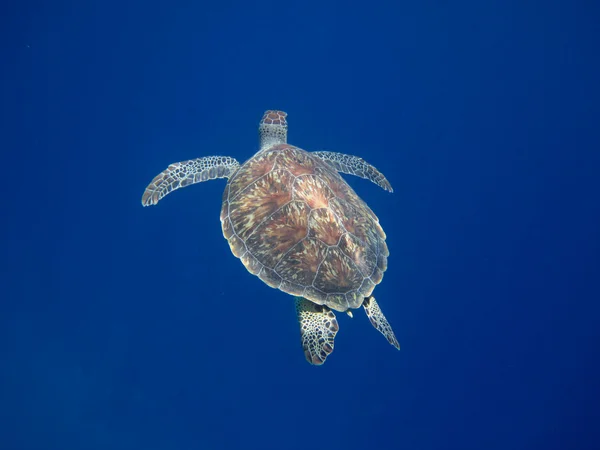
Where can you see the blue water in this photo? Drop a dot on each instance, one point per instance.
(124, 327)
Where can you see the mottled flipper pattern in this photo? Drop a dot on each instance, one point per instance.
(379, 321)
(318, 327)
(184, 173)
(353, 165)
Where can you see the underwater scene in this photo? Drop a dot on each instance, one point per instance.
(324, 225)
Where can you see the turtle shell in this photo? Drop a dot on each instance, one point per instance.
(296, 224)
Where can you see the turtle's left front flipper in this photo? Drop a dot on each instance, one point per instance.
(379, 321)
(354, 165)
(184, 173)
(318, 327)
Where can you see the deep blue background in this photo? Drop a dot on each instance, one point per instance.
(124, 327)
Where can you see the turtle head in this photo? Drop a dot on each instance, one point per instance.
(273, 129)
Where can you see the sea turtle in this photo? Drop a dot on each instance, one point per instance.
(296, 224)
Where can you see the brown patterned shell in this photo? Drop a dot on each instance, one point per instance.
(297, 225)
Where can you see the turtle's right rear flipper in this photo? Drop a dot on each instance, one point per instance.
(184, 173)
(318, 327)
(379, 321)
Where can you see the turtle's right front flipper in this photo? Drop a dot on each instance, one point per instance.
(184, 173)
(354, 165)
(318, 327)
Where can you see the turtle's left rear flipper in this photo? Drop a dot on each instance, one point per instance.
(318, 327)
